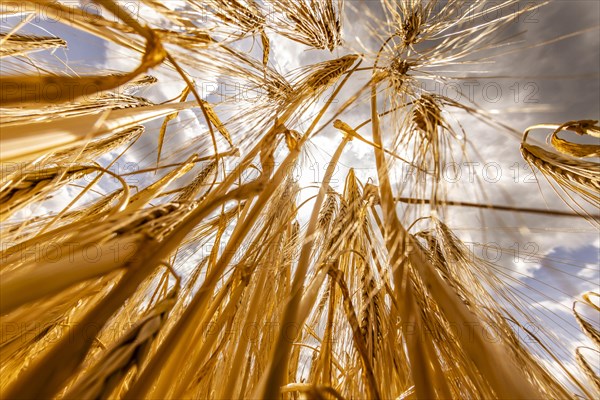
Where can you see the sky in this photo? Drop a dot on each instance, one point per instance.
(555, 258)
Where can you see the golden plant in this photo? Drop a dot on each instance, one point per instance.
(338, 295)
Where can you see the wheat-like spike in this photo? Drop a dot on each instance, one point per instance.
(324, 74)
(17, 45)
(147, 194)
(99, 146)
(370, 315)
(587, 328)
(326, 356)
(313, 23)
(264, 39)
(581, 177)
(244, 15)
(337, 276)
(141, 81)
(14, 232)
(570, 173)
(130, 350)
(191, 190)
(412, 24)
(328, 210)
(586, 174)
(427, 114)
(588, 370)
(35, 184)
(163, 129)
(89, 105)
(214, 119)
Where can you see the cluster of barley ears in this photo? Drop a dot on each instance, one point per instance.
(210, 277)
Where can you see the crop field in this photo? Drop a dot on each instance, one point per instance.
(299, 199)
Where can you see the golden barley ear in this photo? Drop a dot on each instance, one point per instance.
(18, 45)
(567, 168)
(312, 23)
(591, 333)
(111, 370)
